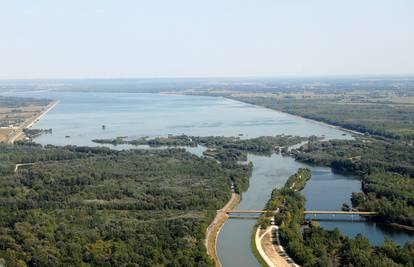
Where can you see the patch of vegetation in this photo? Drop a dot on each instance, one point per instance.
(298, 181)
(80, 206)
(389, 194)
(28, 152)
(261, 145)
(33, 133)
(360, 156)
(178, 140)
(226, 150)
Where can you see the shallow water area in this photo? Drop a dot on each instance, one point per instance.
(79, 116)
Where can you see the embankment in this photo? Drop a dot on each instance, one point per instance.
(214, 228)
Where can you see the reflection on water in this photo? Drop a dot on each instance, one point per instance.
(234, 239)
(327, 191)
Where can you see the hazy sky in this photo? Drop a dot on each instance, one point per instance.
(180, 38)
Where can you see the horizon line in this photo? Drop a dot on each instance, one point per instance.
(311, 76)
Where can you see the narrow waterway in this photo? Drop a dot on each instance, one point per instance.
(234, 240)
(325, 191)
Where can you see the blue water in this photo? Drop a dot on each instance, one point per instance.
(327, 191)
(81, 116)
(324, 191)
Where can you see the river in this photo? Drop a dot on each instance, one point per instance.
(78, 118)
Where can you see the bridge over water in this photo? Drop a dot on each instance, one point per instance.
(306, 212)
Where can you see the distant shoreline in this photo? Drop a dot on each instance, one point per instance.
(48, 108)
(303, 118)
(31, 121)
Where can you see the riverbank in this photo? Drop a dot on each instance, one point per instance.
(267, 250)
(402, 226)
(214, 228)
(18, 133)
(256, 249)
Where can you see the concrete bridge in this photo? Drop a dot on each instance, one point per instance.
(363, 213)
(313, 212)
(249, 211)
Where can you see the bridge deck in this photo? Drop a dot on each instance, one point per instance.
(340, 212)
(249, 211)
(306, 212)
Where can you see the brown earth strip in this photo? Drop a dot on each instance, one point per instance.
(215, 227)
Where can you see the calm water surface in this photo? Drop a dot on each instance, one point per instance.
(81, 116)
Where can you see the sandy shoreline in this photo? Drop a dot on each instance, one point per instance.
(31, 121)
(214, 228)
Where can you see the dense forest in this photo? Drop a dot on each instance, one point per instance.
(227, 150)
(390, 194)
(310, 245)
(360, 156)
(82, 206)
